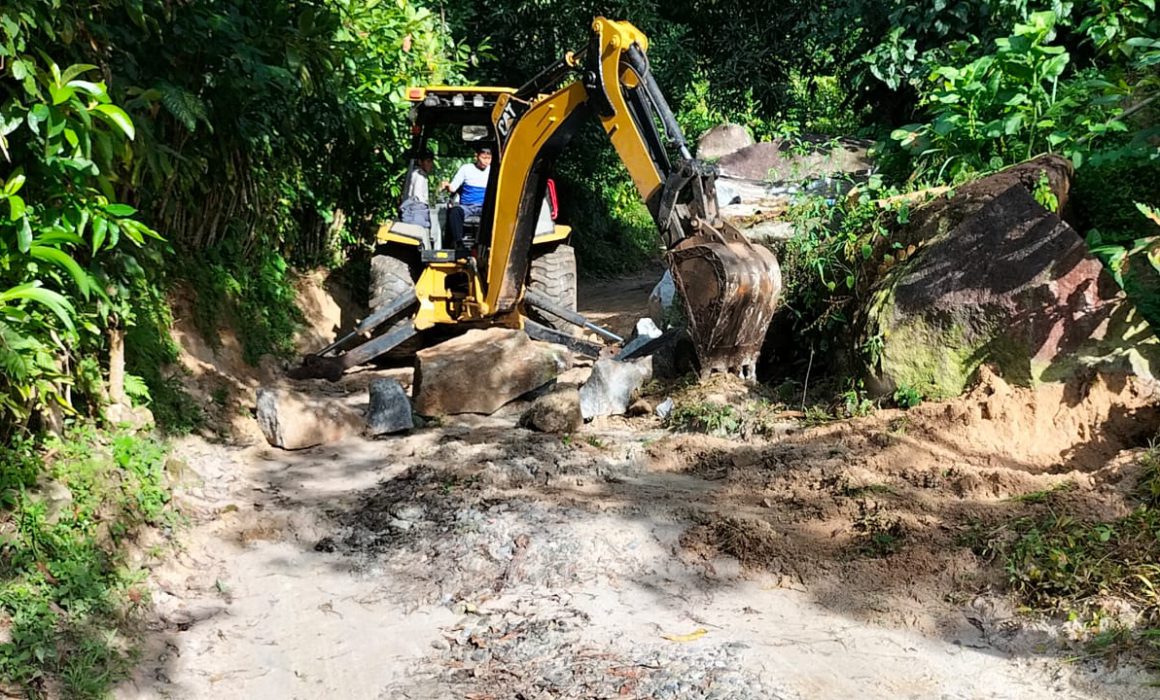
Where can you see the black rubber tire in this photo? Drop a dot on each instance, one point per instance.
(553, 274)
(390, 279)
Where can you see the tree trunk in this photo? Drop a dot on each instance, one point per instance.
(117, 366)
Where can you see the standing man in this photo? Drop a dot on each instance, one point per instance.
(416, 207)
(471, 185)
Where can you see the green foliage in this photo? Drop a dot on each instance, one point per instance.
(854, 403)
(1062, 564)
(613, 232)
(1043, 77)
(1043, 193)
(1009, 105)
(877, 534)
(66, 592)
(254, 296)
(825, 265)
(908, 396)
(705, 417)
(60, 259)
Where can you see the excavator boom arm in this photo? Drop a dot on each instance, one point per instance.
(729, 287)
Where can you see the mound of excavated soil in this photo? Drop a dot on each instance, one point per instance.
(885, 515)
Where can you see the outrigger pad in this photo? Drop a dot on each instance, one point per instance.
(319, 367)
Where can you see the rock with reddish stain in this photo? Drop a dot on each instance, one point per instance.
(990, 276)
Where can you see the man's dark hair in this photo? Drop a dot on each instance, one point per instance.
(425, 154)
(483, 149)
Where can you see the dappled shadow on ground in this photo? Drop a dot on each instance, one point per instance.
(892, 519)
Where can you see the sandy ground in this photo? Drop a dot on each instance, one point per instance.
(474, 559)
(366, 569)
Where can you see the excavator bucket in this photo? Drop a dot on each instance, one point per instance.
(729, 288)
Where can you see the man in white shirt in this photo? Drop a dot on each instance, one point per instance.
(416, 207)
(470, 182)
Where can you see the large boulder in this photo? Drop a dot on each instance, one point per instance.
(481, 370)
(611, 387)
(810, 159)
(294, 421)
(722, 140)
(994, 277)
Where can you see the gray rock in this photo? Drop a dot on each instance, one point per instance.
(55, 496)
(778, 161)
(646, 330)
(408, 511)
(662, 299)
(390, 409)
(403, 525)
(722, 140)
(482, 370)
(294, 421)
(611, 386)
(557, 412)
(664, 408)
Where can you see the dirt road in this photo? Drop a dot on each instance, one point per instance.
(475, 560)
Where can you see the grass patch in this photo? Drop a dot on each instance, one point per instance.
(68, 596)
(1044, 495)
(1104, 574)
(751, 418)
(705, 417)
(877, 534)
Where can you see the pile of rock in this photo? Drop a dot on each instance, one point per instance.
(757, 181)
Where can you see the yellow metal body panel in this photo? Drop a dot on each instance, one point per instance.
(531, 131)
(439, 304)
(614, 39)
(385, 235)
(558, 233)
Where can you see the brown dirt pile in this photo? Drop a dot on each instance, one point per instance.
(897, 515)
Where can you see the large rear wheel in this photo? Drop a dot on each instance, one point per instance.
(553, 274)
(392, 276)
(390, 279)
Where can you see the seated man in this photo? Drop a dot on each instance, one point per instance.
(471, 185)
(416, 207)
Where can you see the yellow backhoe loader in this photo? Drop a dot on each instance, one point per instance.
(516, 268)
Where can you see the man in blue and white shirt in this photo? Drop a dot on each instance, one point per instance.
(470, 182)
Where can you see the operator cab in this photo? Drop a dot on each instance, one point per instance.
(452, 123)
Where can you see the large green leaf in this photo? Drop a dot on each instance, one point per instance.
(63, 260)
(120, 210)
(117, 116)
(16, 207)
(53, 301)
(74, 70)
(24, 235)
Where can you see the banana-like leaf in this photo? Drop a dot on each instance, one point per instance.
(63, 260)
(53, 301)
